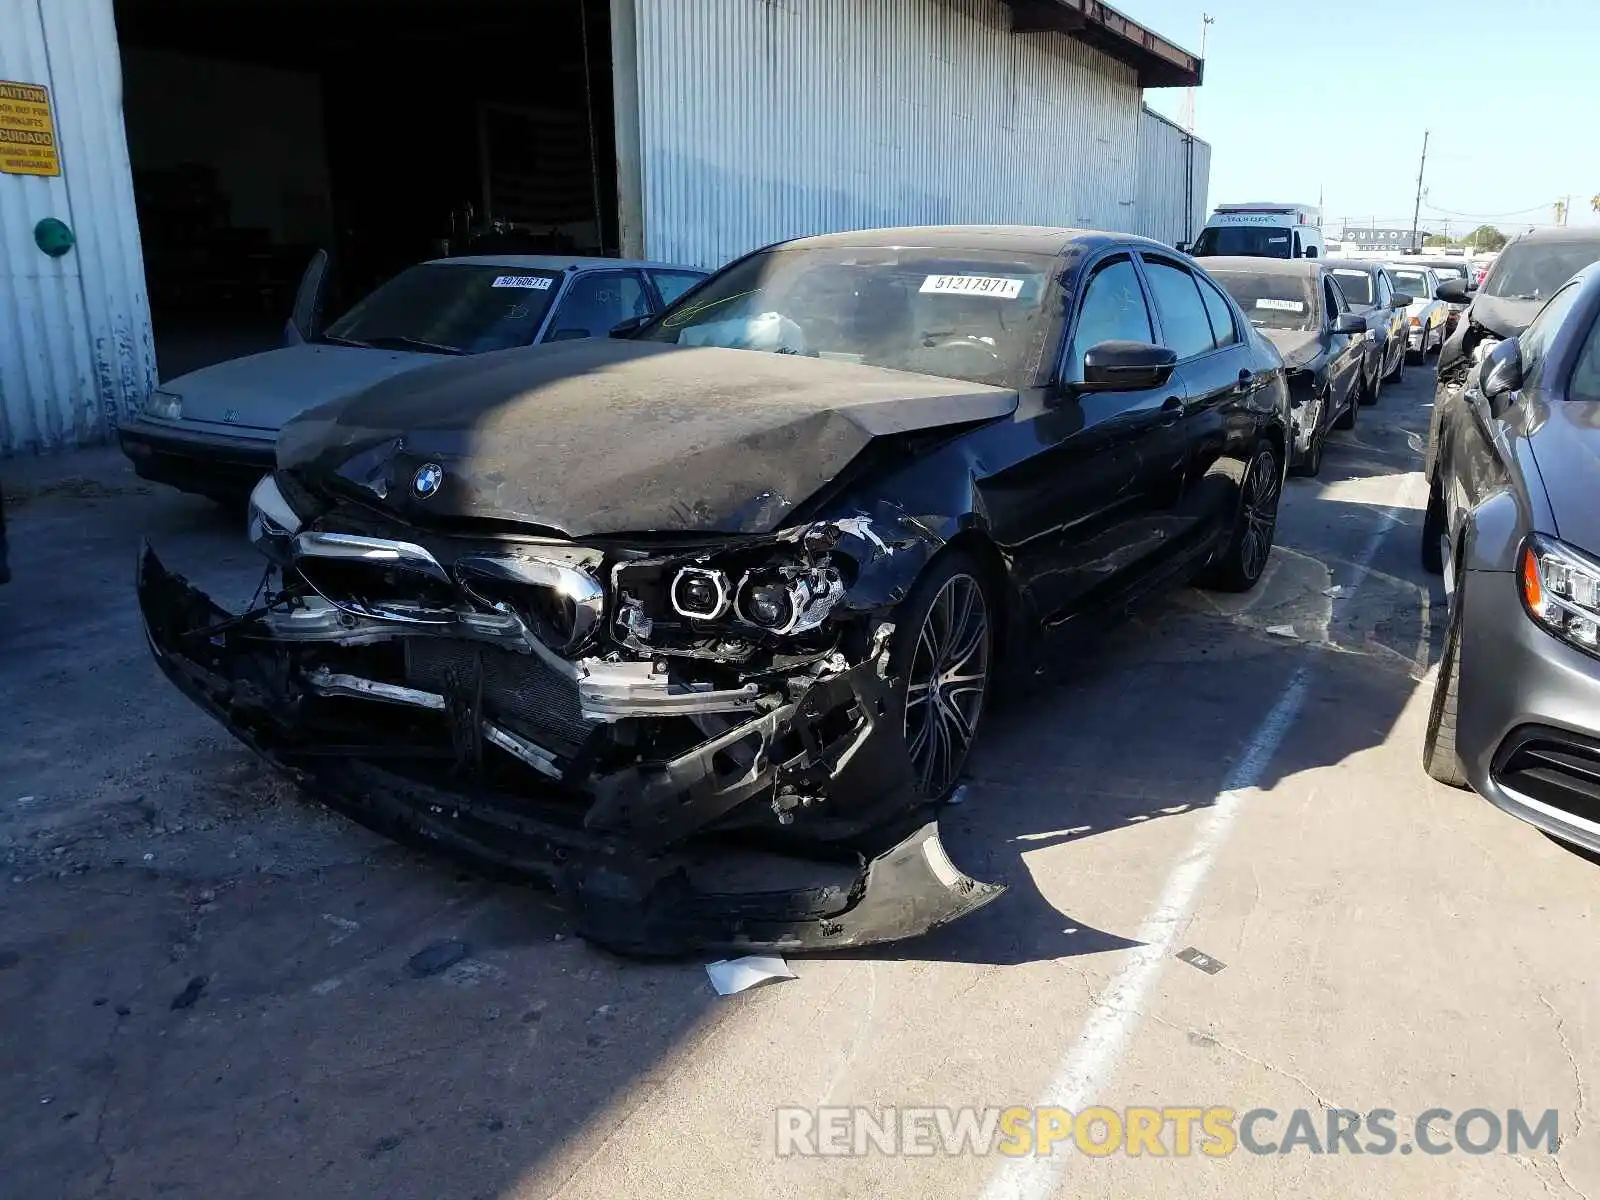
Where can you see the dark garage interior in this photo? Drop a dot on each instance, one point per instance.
(263, 130)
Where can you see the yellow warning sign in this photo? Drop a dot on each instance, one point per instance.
(27, 134)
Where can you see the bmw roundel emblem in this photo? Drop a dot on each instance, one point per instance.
(427, 480)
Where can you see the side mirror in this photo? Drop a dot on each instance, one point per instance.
(1400, 300)
(1182, 247)
(567, 335)
(1352, 323)
(1126, 367)
(1453, 291)
(622, 329)
(1501, 375)
(1311, 252)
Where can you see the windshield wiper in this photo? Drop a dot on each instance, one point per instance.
(406, 342)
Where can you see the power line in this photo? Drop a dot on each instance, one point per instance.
(1516, 212)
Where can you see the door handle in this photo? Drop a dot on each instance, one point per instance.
(1171, 411)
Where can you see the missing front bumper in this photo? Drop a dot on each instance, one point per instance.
(624, 863)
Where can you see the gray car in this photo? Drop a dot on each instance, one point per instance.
(213, 431)
(1373, 292)
(1513, 524)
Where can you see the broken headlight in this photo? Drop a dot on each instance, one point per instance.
(272, 523)
(785, 600)
(164, 406)
(701, 593)
(1560, 588)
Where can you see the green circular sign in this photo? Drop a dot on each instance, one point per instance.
(53, 237)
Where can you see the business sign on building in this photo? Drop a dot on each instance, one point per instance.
(1381, 239)
(27, 132)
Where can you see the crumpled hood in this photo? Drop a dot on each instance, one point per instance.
(1504, 318)
(1566, 447)
(1297, 348)
(607, 436)
(262, 391)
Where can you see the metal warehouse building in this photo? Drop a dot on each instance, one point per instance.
(168, 167)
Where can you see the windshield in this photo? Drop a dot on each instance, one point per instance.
(1356, 286)
(1250, 241)
(1534, 270)
(1414, 284)
(961, 314)
(450, 309)
(1272, 301)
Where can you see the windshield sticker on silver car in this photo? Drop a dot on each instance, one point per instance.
(538, 283)
(1294, 306)
(972, 285)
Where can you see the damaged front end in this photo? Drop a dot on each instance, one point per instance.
(622, 719)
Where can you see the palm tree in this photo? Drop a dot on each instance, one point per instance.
(1594, 202)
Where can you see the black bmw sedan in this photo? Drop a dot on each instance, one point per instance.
(752, 566)
(1513, 525)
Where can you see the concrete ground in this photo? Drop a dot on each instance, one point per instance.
(206, 982)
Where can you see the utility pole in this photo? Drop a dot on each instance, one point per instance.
(1416, 212)
(1206, 22)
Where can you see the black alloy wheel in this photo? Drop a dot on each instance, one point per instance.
(1240, 565)
(1309, 464)
(945, 640)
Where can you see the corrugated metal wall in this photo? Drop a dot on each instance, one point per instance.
(1174, 175)
(766, 119)
(75, 344)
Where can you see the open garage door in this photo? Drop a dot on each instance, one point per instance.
(261, 131)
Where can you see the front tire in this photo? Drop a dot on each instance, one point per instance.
(1309, 464)
(943, 653)
(1347, 419)
(1241, 563)
(1374, 388)
(1434, 531)
(1440, 758)
(1398, 373)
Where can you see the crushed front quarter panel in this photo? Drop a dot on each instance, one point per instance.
(621, 865)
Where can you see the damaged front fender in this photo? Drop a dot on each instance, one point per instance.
(628, 875)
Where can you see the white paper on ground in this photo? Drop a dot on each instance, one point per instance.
(1338, 591)
(730, 975)
(1283, 631)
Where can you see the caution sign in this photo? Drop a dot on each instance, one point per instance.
(27, 134)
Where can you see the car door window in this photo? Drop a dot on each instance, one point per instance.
(1222, 327)
(1334, 299)
(1184, 325)
(672, 284)
(1113, 310)
(596, 302)
(1535, 340)
(1585, 384)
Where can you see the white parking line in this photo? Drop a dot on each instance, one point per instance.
(1089, 1064)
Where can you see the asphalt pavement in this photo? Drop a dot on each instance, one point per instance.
(1231, 887)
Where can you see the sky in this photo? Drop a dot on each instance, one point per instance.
(1335, 98)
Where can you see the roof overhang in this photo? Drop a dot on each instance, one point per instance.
(1159, 63)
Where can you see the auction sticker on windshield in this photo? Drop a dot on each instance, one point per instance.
(539, 283)
(972, 285)
(1294, 306)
